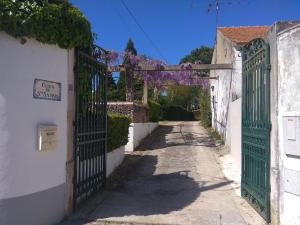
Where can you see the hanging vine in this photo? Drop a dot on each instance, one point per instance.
(51, 22)
(159, 78)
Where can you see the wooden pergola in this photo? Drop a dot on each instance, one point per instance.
(193, 67)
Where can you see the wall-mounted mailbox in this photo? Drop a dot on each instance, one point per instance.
(47, 137)
(291, 135)
(292, 181)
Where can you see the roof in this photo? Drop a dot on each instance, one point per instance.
(244, 34)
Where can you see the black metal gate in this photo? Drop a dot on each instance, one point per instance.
(256, 126)
(90, 126)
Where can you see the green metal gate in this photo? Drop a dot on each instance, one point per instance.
(90, 126)
(256, 126)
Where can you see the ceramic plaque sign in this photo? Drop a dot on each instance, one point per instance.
(47, 90)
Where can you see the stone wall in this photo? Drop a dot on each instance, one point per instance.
(138, 113)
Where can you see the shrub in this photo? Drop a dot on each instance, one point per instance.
(177, 113)
(117, 130)
(205, 110)
(154, 111)
(51, 22)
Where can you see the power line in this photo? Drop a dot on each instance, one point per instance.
(142, 29)
(122, 19)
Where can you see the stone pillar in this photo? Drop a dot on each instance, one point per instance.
(129, 85)
(145, 93)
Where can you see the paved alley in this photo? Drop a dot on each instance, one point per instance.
(173, 178)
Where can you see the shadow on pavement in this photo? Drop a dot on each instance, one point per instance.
(135, 189)
(158, 139)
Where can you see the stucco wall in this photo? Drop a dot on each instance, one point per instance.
(114, 159)
(274, 151)
(32, 183)
(228, 86)
(137, 132)
(288, 43)
(236, 131)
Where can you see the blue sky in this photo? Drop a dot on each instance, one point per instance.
(176, 26)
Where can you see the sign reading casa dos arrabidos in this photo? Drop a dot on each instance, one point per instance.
(48, 90)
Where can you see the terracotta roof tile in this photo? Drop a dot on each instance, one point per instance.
(244, 34)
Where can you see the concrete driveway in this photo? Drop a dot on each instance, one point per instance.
(173, 178)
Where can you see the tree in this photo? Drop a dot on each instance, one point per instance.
(137, 83)
(130, 47)
(112, 91)
(200, 55)
(183, 95)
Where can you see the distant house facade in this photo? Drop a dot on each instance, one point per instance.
(264, 82)
(227, 89)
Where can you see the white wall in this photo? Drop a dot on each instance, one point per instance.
(288, 44)
(137, 132)
(228, 86)
(114, 159)
(24, 170)
(236, 131)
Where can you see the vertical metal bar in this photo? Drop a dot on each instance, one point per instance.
(99, 128)
(105, 115)
(76, 78)
(268, 158)
(90, 126)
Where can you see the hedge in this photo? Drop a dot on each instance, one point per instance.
(177, 113)
(117, 131)
(52, 22)
(154, 111)
(205, 110)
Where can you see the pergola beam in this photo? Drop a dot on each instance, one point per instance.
(143, 67)
(194, 67)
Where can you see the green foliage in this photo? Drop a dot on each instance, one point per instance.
(130, 47)
(51, 22)
(117, 130)
(202, 54)
(215, 134)
(184, 96)
(121, 87)
(111, 89)
(138, 89)
(177, 113)
(205, 108)
(154, 111)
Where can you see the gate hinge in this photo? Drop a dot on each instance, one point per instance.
(268, 66)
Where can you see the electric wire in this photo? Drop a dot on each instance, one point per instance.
(143, 30)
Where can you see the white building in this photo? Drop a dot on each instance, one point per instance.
(226, 90)
(38, 178)
(32, 182)
(280, 76)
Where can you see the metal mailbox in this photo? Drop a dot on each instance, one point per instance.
(47, 137)
(291, 135)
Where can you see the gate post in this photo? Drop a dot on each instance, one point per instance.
(145, 93)
(128, 83)
(70, 127)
